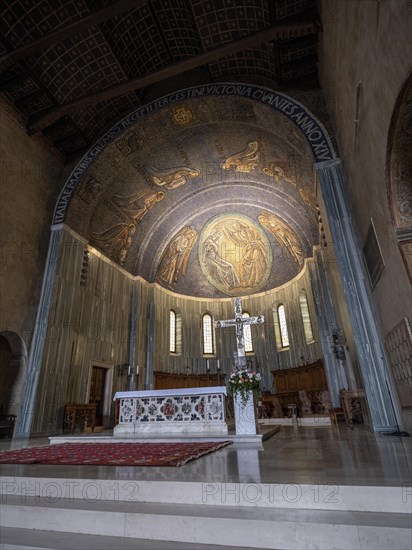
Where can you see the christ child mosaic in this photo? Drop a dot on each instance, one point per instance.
(234, 254)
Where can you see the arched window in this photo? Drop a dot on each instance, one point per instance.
(172, 331)
(304, 310)
(175, 332)
(207, 330)
(247, 333)
(283, 327)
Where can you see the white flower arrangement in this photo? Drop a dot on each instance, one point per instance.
(243, 381)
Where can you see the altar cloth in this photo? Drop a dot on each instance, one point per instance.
(169, 392)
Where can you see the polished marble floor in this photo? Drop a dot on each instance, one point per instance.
(327, 455)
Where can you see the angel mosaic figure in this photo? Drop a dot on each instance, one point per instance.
(137, 206)
(245, 161)
(175, 258)
(173, 178)
(284, 234)
(115, 241)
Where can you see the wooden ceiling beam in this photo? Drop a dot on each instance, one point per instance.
(25, 100)
(277, 32)
(93, 18)
(7, 82)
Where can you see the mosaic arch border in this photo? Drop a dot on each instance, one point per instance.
(313, 131)
(403, 231)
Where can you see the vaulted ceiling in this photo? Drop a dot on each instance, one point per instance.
(209, 197)
(73, 67)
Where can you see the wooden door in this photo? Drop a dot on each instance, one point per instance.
(97, 390)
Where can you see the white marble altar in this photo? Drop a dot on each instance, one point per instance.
(185, 410)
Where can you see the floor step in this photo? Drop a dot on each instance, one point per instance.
(27, 539)
(358, 498)
(265, 432)
(231, 526)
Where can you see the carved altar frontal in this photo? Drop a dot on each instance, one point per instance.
(186, 410)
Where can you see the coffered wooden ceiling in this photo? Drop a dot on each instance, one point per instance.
(72, 68)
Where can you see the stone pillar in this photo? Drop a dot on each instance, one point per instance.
(26, 411)
(383, 405)
(326, 317)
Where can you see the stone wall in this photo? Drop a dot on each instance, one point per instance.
(29, 186)
(87, 325)
(365, 56)
(266, 349)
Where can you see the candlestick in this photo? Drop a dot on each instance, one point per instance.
(218, 364)
(207, 364)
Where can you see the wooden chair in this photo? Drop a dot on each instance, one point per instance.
(336, 414)
(76, 413)
(273, 407)
(7, 425)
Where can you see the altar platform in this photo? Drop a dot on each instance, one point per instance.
(295, 454)
(306, 488)
(108, 437)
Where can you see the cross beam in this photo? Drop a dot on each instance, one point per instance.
(239, 322)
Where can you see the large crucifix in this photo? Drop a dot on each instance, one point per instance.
(238, 322)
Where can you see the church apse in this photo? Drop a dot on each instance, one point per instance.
(149, 198)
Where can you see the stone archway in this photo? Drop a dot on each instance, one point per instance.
(399, 172)
(306, 123)
(13, 355)
(332, 185)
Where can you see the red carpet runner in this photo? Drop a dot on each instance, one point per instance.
(112, 454)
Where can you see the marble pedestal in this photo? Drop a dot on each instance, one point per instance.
(245, 414)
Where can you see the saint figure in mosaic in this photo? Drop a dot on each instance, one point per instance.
(174, 260)
(284, 234)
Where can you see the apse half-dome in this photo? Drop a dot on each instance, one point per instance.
(208, 197)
